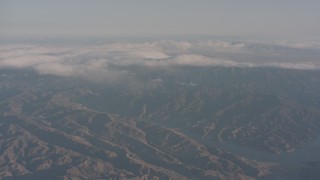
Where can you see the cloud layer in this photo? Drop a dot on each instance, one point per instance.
(96, 62)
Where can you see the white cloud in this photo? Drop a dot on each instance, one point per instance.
(95, 61)
(149, 54)
(301, 66)
(25, 61)
(222, 45)
(174, 45)
(199, 60)
(54, 69)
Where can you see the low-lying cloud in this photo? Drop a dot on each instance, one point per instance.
(98, 61)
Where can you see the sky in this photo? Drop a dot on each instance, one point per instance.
(250, 18)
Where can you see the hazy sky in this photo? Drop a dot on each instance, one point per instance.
(274, 18)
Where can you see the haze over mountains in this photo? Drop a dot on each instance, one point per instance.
(159, 109)
(73, 58)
